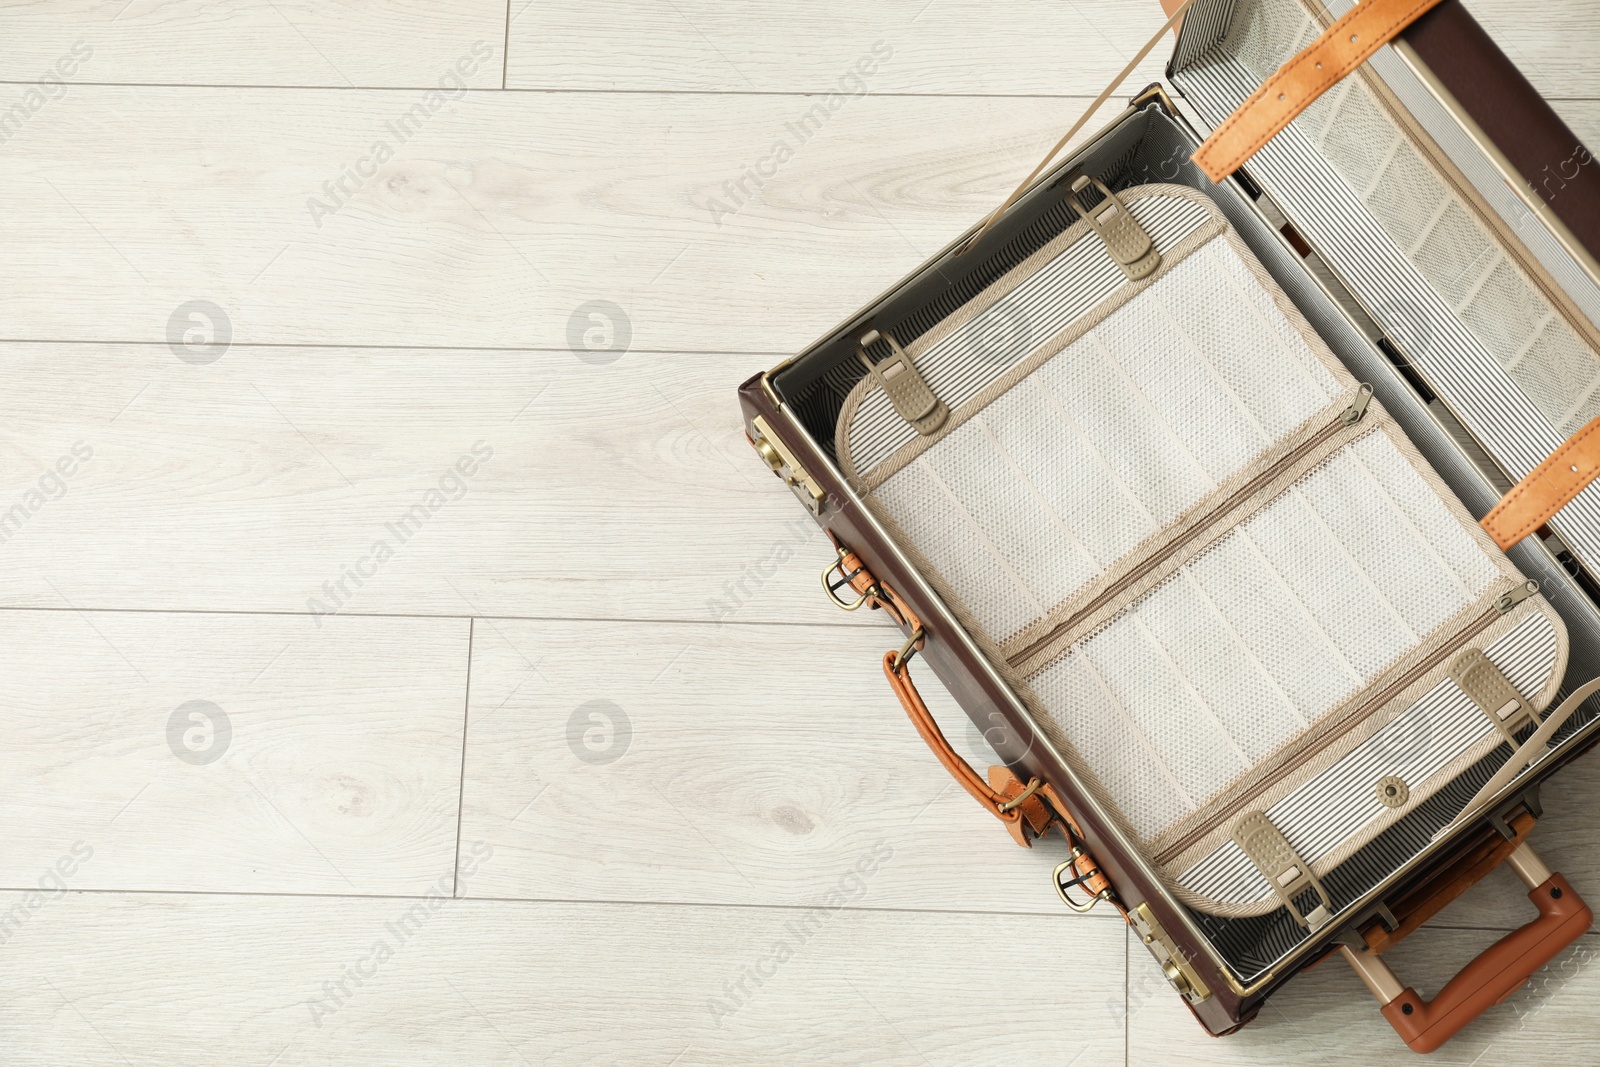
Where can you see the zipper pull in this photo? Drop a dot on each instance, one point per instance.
(1516, 596)
(1358, 407)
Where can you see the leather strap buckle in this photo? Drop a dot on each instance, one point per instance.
(1017, 801)
(846, 576)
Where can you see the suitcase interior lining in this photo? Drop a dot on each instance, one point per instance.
(1202, 688)
(1429, 270)
(1152, 147)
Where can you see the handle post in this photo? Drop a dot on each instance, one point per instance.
(1497, 972)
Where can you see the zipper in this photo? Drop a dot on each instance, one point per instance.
(1346, 418)
(1479, 623)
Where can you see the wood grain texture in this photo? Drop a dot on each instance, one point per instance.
(942, 47)
(252, 42)
(170, 980)
(497, 219)
(326, 762)
(733, 764)
(275, 479)
(1551, 43)
(1328, 1018)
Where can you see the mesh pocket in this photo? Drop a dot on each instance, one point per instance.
(1359, 138)
(1265, 35)
(1113, 438)
(1304, 604)
(1408, 195)
(1558, 372)
(1455, 254)
(1505, 312)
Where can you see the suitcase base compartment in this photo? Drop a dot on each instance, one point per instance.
(1023, 660)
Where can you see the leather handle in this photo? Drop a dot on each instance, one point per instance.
(993, 801)
(1497, 972)
(1547, 489)
(1343, 47)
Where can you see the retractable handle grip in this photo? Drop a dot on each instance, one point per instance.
(1497, 972)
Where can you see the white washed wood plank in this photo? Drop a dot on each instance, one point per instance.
(262, 480)
(497, 219)
(332, 767)
(734, 764)
(942, 47)
(411, 43)
(1552, 44)
(114, 979)
(1327, 1017)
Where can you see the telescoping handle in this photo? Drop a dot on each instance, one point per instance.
(1500, 970)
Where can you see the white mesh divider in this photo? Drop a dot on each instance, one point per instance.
(967, 561)
(1259, 636)
(1112, 743)
(1110, 440)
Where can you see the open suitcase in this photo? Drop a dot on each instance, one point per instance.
(1176, 485)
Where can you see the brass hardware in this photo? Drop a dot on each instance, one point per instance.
(1180, 973)
(1069, 867)
(1516, 596)
(1393, 791)
(832, 588)
(784, 465)
(1016, 801)
(908, 649)
(1358, 407)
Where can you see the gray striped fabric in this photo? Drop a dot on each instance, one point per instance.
(1515, 373)
(1425, 738)
(970, 357)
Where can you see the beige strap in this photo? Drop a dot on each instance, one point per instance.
(1536, 745)
(1342, 48)
(1547, 488)
(1105, 95)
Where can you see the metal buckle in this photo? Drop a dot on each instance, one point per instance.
(832, 588)
(1016, 801)
(908, 650)
(1062, 887)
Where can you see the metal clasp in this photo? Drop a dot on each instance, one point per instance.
(832, 587)
(908, 650)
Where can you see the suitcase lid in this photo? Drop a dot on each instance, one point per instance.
(1459, 230)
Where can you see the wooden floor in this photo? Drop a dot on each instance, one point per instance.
(389, 678)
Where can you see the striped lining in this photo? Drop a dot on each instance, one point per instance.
(960, 365)
(1204, 26)
(1421, 741)
(1474, 384)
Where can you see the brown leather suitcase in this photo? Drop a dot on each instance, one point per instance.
(1321, 206)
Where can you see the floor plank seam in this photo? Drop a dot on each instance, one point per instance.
(461, 784)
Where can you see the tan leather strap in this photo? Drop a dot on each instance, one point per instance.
(1027, 810)
(1547, 488)
(1345, 46)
